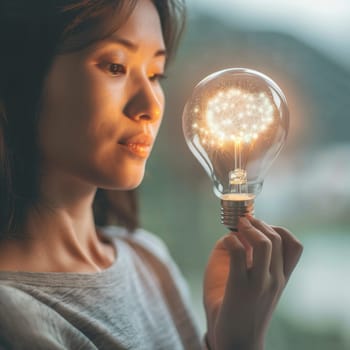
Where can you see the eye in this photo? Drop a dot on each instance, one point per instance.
(116, 69)
(157, 77)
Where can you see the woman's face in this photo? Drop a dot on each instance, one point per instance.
(102, 106)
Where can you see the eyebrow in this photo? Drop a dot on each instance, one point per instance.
(132, 46)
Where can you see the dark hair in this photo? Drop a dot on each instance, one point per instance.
(31, 34)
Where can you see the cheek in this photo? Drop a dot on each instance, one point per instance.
(161, 100)
(79, 124)
(75, 108)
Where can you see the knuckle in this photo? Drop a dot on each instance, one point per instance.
(275, 239)
(288, 237)
(296, 244)
(255, 220)
(281, 229)
(220, 242)
(238, 249)
(263, 244)
(298, 247)
(234, 247)
(249, 229)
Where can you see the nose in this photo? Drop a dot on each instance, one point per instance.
(146, 102)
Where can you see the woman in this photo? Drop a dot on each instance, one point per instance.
(81, 104)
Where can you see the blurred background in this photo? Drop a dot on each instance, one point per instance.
(305, 47)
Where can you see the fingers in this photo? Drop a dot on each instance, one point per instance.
(262, 248)
(292, 250)
(275, 249)
(238, 267)
(276, 265)
(248, 248)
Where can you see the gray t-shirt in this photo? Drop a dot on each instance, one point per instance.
(140, 302)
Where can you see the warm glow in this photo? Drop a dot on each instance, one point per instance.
(235, 116)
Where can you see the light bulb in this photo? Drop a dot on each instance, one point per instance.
(235, 123)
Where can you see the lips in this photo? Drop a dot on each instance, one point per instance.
(139, 145)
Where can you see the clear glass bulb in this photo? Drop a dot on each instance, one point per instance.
(235, 123)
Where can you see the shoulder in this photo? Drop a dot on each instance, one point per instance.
(144, 238)
(20, 310)
(14, 305)
(18, 315)
(158, 254)
(25, 320)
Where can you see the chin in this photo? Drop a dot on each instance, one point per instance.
(124, 183)
(122, 176)
(130, 186)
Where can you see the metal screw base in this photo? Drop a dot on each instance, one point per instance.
(232, 210)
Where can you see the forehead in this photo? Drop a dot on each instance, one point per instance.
(143, 25)
(139, 21)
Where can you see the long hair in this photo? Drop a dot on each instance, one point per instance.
(32, 33)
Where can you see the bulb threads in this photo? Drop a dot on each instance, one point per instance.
(232, 210)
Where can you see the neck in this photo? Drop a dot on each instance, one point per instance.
(70, 228)
(59, 235)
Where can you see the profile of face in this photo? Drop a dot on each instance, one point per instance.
(102, 106)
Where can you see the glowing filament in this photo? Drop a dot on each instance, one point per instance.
(235, 115)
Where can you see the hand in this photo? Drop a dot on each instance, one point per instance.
(245, 276)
